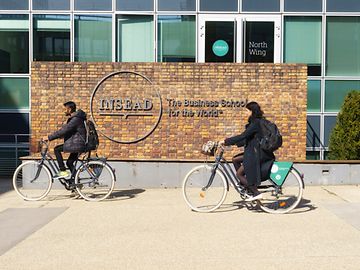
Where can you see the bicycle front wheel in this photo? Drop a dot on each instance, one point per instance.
(32, 181)
(204, 189)
(281, 200)
(94, 180)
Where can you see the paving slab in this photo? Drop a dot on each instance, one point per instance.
(154, 229)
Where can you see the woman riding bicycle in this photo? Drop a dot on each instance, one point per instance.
(256, 163)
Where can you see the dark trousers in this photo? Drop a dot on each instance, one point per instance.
(71, 160)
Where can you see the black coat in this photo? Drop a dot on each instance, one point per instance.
(257, 163)
(73, 132)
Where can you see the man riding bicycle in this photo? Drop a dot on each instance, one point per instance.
(74, 134)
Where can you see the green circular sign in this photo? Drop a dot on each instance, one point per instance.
(220, 47)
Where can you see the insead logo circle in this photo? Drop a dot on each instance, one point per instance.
(126, 107)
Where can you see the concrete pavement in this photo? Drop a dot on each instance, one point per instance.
(154, 229)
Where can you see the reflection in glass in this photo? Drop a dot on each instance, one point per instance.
(177, 5)
(135, 5)
(314, 96)
(329, 124)
(93, 38)
(51, 37)
(335, 93)
(313, 131)
(343, 46)
(14, 43)
(303, 50)
(135, 38)
(14, 93)
(343, 5)
(51, 4)
(261, 5)
(303, 5)
(216, 5)
(14, 5)
(105, 5)
(176, 39)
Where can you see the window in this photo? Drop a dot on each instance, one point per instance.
(14, 123)
(14, 5)
(135, 5)
(14, 93)
(51, 4)
(343, 5)
(177, 5)
(303, 50)
(215, 5)
(303, 5)
(314, 96)
(93, 38)
(176, 39)
(343, 46)
(261, 5)
(14, 43)
(313, 131)
(329, 124)
(312, 155)
(51, 38)
(335, 92)
(104, 5)
(135, 38)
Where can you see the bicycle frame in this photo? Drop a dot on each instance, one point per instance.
(54, 168)
(230, 175)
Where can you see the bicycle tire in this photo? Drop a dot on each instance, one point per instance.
(289, 197)
(94, 180)
(31, 184)
(196, 197)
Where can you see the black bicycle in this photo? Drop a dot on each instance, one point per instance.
(93, 180)
(205, 187)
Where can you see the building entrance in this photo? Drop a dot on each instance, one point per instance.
(239, 38)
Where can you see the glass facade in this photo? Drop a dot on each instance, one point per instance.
(176, 39)
(93, 38)
(343, 46)
(135, 36)
(51, 38)
(324, 34)
(51, 4)
(14, 43)
(305, 50)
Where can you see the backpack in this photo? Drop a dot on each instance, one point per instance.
(272, 139)
(92, 138)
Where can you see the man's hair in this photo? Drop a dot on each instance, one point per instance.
(71, 105)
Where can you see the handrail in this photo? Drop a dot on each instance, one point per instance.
(17, 142)
(314, 137)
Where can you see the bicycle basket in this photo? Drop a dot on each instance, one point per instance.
(209, 148)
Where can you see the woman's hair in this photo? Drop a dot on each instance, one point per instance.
(255, 109)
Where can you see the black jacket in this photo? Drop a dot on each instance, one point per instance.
(257, 163)
(73, 132)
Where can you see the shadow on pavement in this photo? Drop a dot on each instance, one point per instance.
(303, 207)
(5, 185)
(124, 194)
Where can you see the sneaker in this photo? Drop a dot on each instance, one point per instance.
(62, 174)
(254, 198)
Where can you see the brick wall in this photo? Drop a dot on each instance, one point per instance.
(219, 90)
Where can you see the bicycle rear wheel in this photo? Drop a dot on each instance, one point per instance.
(32, 181)
(94, 180)
(197, 195)
(281, 200)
